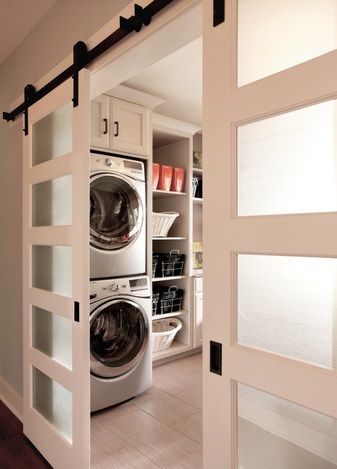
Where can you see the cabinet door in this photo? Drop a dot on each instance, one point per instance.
(129, 127)
(99, 122)
(198, 316)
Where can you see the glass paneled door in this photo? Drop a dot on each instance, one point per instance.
(270, 206)
(56, 353)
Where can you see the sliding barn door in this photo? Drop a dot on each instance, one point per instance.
(270, 235)
(56, 276)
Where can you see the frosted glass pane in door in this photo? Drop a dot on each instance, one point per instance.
(288, 163)
(274, 35)
(52, 135)
(288, 306)
(52, 202)
(52, 335)
(274, 433)
(52, 269)
(54, 402)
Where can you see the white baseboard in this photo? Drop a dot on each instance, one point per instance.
(11, 399)
(306, 437)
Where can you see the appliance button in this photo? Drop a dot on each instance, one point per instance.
(114, 287)
(108, 162)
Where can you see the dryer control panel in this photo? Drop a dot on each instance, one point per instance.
(134, 286)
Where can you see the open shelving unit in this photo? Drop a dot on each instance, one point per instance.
(173, 145)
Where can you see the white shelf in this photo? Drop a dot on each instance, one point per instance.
(197, 171)
(170, 238)
(169, 315)
(158, 194)
(197, 200)
(176, 347)
(164, 279)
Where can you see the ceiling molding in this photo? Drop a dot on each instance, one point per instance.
(134, 96)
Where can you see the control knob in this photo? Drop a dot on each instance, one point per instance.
(114, 287)
(108, 162)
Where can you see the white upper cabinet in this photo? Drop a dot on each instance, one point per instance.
(120, 125)
(99, 122)
(129, 129)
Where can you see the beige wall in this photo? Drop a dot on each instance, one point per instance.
(51, 41)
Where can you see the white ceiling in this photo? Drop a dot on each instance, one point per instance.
(178, 80)
(17, 19)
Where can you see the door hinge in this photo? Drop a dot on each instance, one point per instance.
(218, 12)
(215, 358)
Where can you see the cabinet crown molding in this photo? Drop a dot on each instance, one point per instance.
(135, 96)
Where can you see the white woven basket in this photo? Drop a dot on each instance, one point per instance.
(163, 333)
(162, 222)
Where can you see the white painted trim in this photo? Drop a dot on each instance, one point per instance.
(134, 96)
(291, 430)
(11, 399)
(175, 126)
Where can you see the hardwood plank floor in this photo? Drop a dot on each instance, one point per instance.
(16, 452)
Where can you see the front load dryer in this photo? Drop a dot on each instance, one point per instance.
(117, 216)
(120, 345)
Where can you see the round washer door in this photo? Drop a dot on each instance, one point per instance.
(118, 338)
(116, 212)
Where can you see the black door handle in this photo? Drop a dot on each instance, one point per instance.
(117, 128)
(105, 126)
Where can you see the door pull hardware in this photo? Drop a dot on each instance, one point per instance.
(105, 121)
(76, 311)
(117, 128)
(218, 12)
(215, 360)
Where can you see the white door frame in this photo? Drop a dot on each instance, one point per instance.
(225, 235)
(44, 435)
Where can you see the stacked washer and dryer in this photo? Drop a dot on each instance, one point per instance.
(120, 292)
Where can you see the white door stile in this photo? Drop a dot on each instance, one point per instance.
(50, 442)
(226, 235)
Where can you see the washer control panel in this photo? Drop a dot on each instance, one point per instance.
(118, 164)
(135, 286)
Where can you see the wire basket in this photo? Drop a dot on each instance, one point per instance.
(169, 300)
(172, 264)
(162, 222)
(163, 333)
(155, 301)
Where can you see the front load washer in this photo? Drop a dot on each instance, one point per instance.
(120, 340)
(117, 216)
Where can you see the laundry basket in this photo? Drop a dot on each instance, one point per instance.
(162, 222)
(163, 333)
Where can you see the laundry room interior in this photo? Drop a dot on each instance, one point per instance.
(146, 276)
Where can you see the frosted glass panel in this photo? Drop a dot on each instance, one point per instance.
(52, 202)
(288, 163)
(52, 135)
(52, 335)
(52, 269)
(274, 35)
(288, 306)
(54, 402)
(274, 433)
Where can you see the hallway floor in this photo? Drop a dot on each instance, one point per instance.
(159, 429)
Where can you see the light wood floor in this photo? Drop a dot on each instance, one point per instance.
(159, 429)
